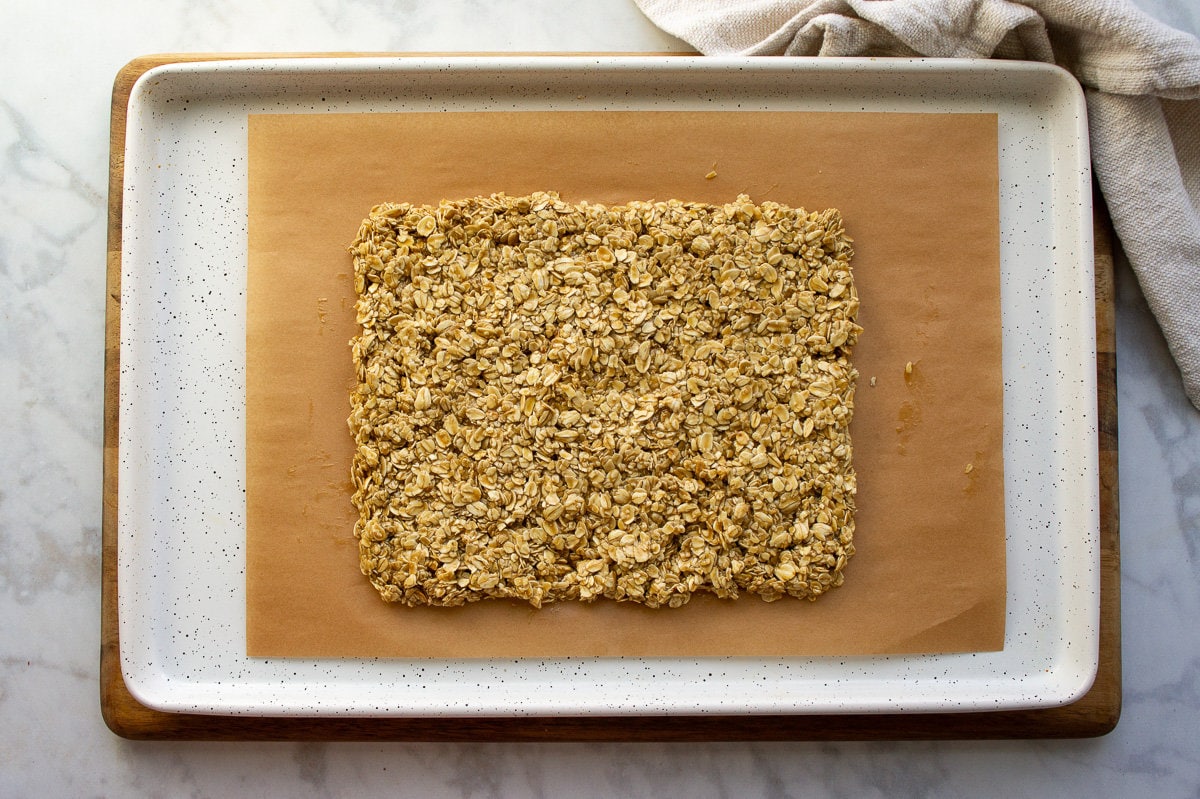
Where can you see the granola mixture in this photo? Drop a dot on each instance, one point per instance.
(561, 401)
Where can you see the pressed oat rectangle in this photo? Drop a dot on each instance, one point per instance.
(561, 401)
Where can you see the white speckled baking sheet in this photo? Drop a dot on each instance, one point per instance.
(181, 500)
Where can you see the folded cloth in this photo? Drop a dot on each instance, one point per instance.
(1141, 80)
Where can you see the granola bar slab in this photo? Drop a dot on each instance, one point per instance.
(567, 401)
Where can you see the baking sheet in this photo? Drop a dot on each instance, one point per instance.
(181, 515)
(929, 575)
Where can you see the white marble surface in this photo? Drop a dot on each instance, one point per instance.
(56, 68)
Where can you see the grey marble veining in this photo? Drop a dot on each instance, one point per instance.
(55, 81)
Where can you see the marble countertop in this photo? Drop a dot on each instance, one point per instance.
(55, 86)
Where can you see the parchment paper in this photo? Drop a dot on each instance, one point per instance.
(919, 193)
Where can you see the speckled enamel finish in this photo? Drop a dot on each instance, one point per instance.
(181, 490)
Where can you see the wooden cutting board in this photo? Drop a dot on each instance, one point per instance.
(1096, 713)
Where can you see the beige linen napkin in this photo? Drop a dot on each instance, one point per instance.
(1141, 78)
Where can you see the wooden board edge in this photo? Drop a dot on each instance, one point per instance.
(1094, 714)
(1108, 693)
(114, 704)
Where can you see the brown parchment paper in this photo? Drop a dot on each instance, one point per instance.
(919, 194)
